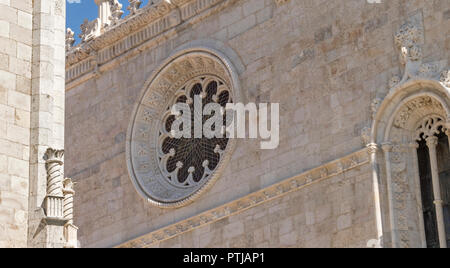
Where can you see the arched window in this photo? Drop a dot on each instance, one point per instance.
(434, 169)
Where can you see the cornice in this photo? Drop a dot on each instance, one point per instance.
(146, 24)
(239, 205)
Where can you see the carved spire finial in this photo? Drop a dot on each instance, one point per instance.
(134, 6)
(70, 40)
(116, 11)
(89, 29)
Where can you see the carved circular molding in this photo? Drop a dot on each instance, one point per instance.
(172, 172)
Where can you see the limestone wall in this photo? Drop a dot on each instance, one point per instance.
(31, 109)
(15, 107)
(337, 212)
(323, 61)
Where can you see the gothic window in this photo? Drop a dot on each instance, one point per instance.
(433, 153)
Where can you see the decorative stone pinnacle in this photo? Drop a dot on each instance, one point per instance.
(116, 11)
(89, 29)
(70, 40)
(134, 6)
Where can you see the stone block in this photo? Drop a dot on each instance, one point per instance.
(18, 167)
(17, 99)
(7, 81)
(4, 29)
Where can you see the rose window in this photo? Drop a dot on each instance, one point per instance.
(171, 170)
(186, 162)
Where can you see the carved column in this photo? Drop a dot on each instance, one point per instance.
(372, 149)
(414, 146)
(53, 203)
(387, 148)
(70, 230)
(68, 200)
(432, 142)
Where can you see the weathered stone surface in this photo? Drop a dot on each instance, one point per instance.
(32, 115)
(323, 61)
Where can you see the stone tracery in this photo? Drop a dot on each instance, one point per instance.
(171, 172)
(188, 161)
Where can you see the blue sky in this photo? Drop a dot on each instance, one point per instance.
(78, 10)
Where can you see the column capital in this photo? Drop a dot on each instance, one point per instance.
(432, 142)
(54, 156)
(372, 148)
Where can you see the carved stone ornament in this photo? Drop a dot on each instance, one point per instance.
(134, 6)
(168, 171)
(430, 127)
(424, 103)
(409, 40)
(90, 29)
(116, 11)
(70, 40)
(445, 78)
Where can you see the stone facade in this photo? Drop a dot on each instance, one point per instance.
(32, 100)
(348, 76)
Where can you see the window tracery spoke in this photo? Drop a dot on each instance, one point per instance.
(188, 161)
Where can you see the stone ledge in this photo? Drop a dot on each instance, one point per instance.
(272, 192)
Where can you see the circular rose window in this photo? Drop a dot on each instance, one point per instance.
(172, 171)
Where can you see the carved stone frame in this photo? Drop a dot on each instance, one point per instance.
(394, 128)
(156, 94)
